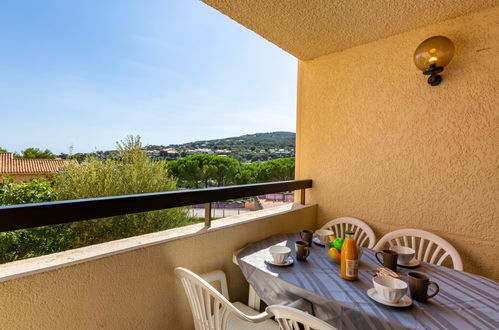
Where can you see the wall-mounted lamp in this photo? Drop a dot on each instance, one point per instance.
(432, 55)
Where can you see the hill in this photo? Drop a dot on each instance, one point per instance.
(245, 148)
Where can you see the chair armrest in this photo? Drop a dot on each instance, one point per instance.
(255, 318)
(301, 304)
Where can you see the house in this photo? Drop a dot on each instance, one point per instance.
(22, 169)
(170, 151)
(203, 151)
(153, 153)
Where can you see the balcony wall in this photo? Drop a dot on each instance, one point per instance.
(129, 284)
(382, 145)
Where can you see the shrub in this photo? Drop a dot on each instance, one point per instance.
(25, 243)
(33, 191)
(131, 171)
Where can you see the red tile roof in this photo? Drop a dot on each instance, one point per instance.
(11, 165)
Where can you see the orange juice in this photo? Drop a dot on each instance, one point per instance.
(349, 258)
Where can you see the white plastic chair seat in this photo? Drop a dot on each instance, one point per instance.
(364, 235)
(236, 323)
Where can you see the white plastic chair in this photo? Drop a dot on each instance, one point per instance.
(429, 247)
(212, 310)
(294, 319)
(364, 235)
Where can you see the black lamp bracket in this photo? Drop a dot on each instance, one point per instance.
(433, 71)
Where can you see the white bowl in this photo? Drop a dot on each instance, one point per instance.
(406, 254)
(280, 253)
(389, 288)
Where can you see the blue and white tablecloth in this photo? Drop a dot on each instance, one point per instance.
(465, 301)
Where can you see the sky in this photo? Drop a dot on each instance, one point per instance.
(88, 73)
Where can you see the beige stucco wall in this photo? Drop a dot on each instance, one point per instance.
(382, 145)
(137, 289)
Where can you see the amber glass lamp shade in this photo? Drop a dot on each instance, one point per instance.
(438, 50)
(432, 55)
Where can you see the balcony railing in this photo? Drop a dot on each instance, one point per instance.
(42, 214)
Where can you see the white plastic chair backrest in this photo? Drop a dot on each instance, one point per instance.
(210, 309)
(290, 318)
(429, 247)
(364, 235)
(217, 275)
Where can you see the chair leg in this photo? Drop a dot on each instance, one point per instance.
(253, 299)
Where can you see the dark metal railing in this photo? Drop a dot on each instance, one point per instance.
(22, 216)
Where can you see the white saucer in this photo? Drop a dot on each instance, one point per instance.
(270, 261)
(317, 241)
(405, 301)
(412, 264)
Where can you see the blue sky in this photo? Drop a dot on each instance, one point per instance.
(88, 73)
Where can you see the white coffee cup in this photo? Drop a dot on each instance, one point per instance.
(323, 235)
(405, 254)
(280, 253)
(389, 288)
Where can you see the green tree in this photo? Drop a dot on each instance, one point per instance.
(280, 169)
(37, 153)
(130, 172)
(204, 170)
(248, 173)
(226, 170)
(3, 150)
(187, 170)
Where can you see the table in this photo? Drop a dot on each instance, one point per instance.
(465, 301)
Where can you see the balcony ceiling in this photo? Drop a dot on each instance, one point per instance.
(311, 28)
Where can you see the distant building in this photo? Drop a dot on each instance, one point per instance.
(153, 153)
(170, 150)
(203, 151)
(22, 169)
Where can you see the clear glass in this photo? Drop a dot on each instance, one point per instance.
(438, 50)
